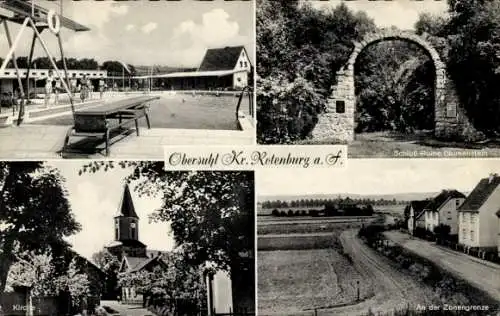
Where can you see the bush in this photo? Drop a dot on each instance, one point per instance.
(275, 212)
(286, 111)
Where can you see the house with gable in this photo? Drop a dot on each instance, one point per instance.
(131, 252)
(416, 215)
(478, 220)
(442, 210)
(226, 68)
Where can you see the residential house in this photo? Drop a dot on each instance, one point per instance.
(477, 220)
(415, 215)
(226, 68)
(132, 253)
(442, 210)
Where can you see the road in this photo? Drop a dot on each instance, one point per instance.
(393, 289)
(480, 273)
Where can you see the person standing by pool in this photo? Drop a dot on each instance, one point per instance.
(84, 88)
(57, 89)
(48, 87)
(101, 88)
(73, 84)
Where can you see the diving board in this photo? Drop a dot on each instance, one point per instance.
(23, 9)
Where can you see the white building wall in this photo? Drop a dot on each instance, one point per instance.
(223, 298)
(488, 228)
(240, 79)
(448, 214)
(243, 62)
(411, 221)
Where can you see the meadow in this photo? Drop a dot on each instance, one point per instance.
(297, 280)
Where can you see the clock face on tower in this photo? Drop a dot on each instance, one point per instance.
(132, 225)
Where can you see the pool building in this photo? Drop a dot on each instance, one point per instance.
(227, 68)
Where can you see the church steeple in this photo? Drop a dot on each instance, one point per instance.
(126, 207)
(126, 220)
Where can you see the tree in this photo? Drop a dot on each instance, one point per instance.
(110, 265)
(42, 63)
(442, 231)
(211, 214)
(88, 64)
(300, 49)
(472, 35)
(174, 280)
(34, 211)
(37, 272)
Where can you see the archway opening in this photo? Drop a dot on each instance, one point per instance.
(395, 89)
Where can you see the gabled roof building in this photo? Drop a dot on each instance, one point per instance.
(478, 224)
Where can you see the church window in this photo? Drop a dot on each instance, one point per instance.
(133, 231)
(117, 231)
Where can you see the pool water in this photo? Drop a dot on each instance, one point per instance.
(182, 112)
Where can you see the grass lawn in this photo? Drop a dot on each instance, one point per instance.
(183, 112)
(417, 145)
(295, 280)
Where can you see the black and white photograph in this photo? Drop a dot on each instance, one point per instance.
(125, 238)
(123, 79)
(380, 237)
(391, 79)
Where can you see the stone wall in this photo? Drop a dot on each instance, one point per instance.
(450, 119)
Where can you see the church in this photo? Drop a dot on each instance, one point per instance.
(130, 251)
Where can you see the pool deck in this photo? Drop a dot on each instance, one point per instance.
(46, 141)
(36, 141)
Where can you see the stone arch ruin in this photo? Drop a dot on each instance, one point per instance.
(338, 123)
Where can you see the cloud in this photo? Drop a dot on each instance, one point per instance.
(190, 40)
(97, 13)
(94, 15)
(130, 27)
(148, 28)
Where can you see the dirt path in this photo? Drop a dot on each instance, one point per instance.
(393, 289)
(480, 273)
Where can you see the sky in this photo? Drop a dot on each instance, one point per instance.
(170, 33)
(378, 176)
(94, 200)
(400, 13)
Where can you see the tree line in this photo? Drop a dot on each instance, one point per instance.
(111, 66)
(332, 201)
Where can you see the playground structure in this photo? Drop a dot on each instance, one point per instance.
(29, 15)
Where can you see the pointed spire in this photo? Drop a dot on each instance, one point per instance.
(126, 207)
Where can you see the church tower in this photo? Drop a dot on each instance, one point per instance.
(126, 219)
(126, 229)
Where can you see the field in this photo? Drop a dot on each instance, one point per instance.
(295, 280)
(308, 225)
(183, 112)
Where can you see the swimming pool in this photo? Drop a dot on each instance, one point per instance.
(183, 111)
